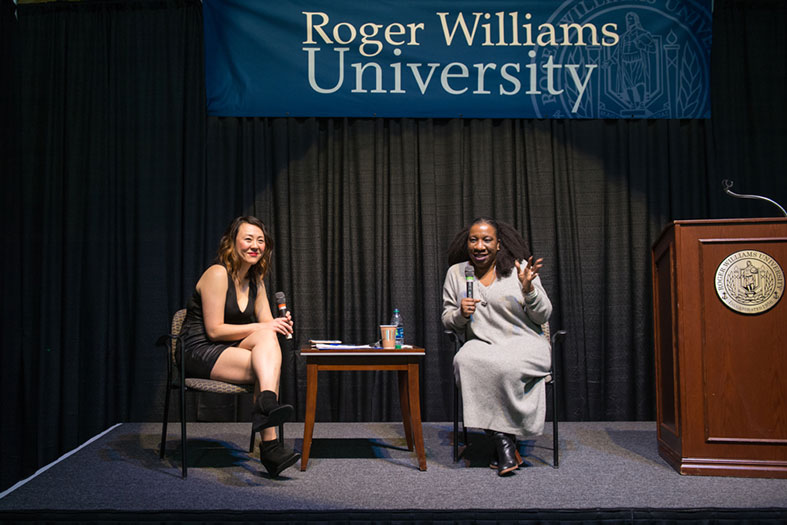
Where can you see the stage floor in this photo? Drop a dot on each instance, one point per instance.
(366, 467)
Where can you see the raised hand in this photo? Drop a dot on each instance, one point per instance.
(528, 273)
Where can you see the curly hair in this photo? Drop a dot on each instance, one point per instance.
(513, 246)
(228, 257)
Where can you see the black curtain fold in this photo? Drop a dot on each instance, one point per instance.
(110, 122)
(117, 186)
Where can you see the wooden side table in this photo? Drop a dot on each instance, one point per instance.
(405, 361)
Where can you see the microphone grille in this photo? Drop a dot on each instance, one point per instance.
(279, 297)
(469, 271)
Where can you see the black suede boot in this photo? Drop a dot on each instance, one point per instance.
(506, 453)
(268, 412)
(275, 457)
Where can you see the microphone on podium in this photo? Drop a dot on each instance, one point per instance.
(281, 303)
(726, 184)
(469, 278)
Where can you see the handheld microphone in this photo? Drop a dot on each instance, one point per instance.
(469, 278)
(281, 302)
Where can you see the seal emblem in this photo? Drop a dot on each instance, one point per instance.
(749, 282)
(658, 69)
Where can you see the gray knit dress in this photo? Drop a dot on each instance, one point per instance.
(501, 365)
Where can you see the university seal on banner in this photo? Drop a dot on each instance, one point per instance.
(749, 282)
(657, 69)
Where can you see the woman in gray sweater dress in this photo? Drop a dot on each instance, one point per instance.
(501, 365)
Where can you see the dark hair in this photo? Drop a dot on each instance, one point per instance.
(228, 257)
(512, 246)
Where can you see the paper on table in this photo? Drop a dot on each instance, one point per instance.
(339, 346)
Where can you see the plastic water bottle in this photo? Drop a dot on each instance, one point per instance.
(397, 320)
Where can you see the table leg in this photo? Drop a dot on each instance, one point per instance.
(404, 403)
(311, 406)
(415, 411)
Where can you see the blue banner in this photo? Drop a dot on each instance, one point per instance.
(460, 58)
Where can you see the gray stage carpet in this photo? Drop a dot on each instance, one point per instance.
(366, 466)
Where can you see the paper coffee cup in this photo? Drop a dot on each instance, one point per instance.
(388, 335)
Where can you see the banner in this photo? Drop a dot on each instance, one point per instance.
(460, 58)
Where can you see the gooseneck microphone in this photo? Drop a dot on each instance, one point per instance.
(281, 303)
(469, 278)
(727, 184)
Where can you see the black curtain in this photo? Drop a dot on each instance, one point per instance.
(110, 125)
(117, 187)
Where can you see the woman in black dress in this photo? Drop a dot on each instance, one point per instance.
(230, 334)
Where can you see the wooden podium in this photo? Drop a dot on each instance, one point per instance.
(720, 326)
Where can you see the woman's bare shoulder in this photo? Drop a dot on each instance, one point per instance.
(215, 277)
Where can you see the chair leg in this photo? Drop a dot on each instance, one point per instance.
(251, 441)
(183, 431)
(164, 422)
(281, 433)
(456, 423)
(555, 454)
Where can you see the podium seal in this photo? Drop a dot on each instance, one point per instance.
(749, 282)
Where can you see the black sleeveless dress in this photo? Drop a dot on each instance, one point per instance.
(199, 352)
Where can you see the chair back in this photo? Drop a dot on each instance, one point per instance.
(545, 332)
(174, 333)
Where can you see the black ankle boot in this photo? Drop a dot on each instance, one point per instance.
(506, 453)
(268, 412)
(275, 457)
(266, 401)
(493, 455)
